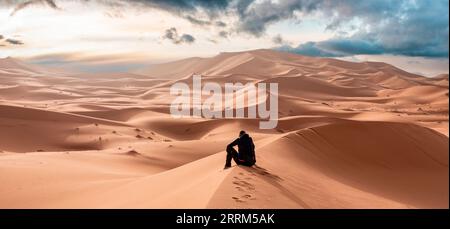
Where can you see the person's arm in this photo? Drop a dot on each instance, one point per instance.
(253, 145)
(253, 150)
(234, 143)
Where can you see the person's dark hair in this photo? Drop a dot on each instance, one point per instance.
(241, 133)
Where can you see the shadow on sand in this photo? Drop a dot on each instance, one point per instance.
(275, 181)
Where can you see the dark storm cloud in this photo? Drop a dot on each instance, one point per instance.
(1, 37)
(256, 16)
(403, 27)
(172, 35)
(352, 46)
(399, 27)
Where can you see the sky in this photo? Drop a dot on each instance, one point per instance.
(121, 35)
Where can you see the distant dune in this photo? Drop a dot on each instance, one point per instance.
(350, 135)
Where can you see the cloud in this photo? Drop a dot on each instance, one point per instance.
(172, 35)
(223, 34)
(14, 41)
(25, 4)
(337, 48)
(402, 27)
(9, 41)
(196, 21)
(200, 22)
(308, 49)
(187, 38)
(279, 40)
(221, 24)
(353, 46)
(212, 41)
(181, 7)
(255, 16)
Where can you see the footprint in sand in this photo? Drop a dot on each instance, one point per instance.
(240, 182)
(249, 197)
(244, 184)
(245, 187)
(237, 199)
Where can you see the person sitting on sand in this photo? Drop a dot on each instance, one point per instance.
(246, 151)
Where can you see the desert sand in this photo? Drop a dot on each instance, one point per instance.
(350, 135)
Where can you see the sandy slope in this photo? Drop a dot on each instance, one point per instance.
(350, 135)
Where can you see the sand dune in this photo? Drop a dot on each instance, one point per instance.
(350, 135)
(336, 166)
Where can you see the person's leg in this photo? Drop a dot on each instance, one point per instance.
(231, 154)
(249, 164)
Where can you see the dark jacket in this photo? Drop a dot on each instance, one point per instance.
(246, 148)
